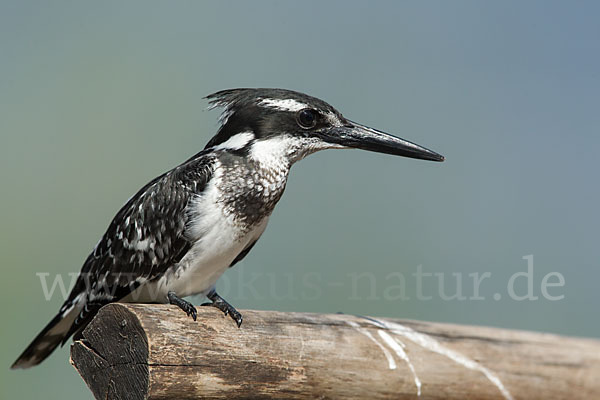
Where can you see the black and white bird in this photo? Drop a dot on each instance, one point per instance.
(178, 234)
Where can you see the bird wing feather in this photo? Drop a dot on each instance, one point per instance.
(144, 239)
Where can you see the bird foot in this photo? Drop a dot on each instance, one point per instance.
(220, 303)
(186, 306)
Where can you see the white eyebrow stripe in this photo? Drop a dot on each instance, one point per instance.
(282, 104)
(236, 142)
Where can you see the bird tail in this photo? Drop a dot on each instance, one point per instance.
(56, 332)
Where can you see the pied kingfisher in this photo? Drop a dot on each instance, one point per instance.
(178, 234)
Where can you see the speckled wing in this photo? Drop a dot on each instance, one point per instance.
(145, 238)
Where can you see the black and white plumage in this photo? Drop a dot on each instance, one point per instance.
(178, 234)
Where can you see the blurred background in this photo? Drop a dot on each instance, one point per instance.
(97, 98)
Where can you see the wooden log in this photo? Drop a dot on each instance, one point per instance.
(132, 351)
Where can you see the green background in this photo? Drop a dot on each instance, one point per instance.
(97, 98)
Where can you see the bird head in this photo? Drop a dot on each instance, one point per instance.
(295, 125)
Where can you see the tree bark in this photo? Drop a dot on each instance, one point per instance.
(132, 351)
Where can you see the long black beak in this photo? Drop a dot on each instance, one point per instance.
(362, 137)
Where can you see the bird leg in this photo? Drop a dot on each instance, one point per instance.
(183, 304)
(218, 302)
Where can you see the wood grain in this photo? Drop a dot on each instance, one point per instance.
(132, 351)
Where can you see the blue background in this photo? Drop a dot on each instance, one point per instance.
(97, 98)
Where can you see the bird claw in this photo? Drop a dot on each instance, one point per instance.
(192, 311)
(186, 306)
(225, 307)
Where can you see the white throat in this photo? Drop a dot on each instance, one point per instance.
(285, 150)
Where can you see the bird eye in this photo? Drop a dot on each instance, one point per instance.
(307, 118)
